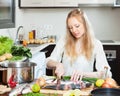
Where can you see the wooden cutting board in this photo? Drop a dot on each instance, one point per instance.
(50, 92)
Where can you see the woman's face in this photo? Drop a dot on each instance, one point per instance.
(76, 28)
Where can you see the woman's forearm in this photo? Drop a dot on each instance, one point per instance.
(51, 64)
(94, 74)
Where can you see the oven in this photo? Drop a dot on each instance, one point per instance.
(112, 52)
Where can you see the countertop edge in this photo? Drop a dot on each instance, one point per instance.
(37, 49)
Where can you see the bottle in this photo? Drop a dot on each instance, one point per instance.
(30, 35)
(34, 34)
(34, 31)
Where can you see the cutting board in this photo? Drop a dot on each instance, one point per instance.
(50, 92)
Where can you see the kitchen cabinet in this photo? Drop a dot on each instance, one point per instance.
(66, 3)
(47, 3)
(95, 1)
(36, 3)
(60, 3)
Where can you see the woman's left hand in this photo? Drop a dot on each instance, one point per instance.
(75, 76)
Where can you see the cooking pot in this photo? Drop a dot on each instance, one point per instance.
(23, 71)
(106, 92)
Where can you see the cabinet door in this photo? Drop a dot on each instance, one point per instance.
(36, 3)
(95, 1)
(65, 3)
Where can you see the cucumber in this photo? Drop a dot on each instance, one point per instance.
(89, 79)
(66, 78)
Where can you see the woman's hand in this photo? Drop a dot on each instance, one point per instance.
(59, 70)
(76, 76)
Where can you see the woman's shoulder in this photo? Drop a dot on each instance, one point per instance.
(61, 42)
(97, 43)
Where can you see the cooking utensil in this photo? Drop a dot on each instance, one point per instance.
(23, 71)
(106, 92)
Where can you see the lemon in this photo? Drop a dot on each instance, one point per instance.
(99, 82)
(35, 88)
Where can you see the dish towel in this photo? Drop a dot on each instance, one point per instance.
(39, 59)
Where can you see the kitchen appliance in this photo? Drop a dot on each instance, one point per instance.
(22, 71)
(112, 51)
(106, 92)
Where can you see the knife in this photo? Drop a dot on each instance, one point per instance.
(58, 83)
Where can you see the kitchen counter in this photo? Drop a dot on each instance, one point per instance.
(35, 49)
(110, 42)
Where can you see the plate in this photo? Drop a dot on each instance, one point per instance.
(6, 61)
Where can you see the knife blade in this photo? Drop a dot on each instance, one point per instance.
(58, 83)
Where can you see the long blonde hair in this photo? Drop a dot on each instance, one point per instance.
(87, 38)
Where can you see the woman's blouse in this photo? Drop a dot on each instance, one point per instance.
(81, 63)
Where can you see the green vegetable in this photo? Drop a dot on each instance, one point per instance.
(33, 94)
(66, 77)
(15, 58)
(5, 45)
(21, 51)
(91, 80)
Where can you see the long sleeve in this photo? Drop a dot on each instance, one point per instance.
(101, 60)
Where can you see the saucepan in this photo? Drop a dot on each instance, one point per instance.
(23, 71)
(106, 92)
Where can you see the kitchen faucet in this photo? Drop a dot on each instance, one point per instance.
(16, 38)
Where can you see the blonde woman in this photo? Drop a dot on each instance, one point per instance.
(76, 53)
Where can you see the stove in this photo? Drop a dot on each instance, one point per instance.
(112, 52)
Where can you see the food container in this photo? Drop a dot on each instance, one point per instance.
(22, 72)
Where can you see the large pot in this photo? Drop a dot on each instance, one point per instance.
(106, 92)
(23, 71)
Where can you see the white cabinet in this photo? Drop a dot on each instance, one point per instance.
(36, 3)
(48, 3)
(65, 3)
(95, 1)
(60, 3)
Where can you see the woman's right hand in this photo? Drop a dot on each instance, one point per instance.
(59, 71)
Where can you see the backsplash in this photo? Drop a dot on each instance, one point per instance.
(105, 21)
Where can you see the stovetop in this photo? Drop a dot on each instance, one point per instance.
(107, 41)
